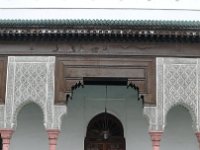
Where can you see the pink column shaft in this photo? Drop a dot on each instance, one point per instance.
(53, 137)
(198, 138)
(6, 135)
(156, 137)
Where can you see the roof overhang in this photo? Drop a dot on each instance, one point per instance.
(98, 30)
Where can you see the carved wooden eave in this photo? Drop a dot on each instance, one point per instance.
(139, 72)
(125, 30)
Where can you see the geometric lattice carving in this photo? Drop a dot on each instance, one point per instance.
(178, 83)
(31, 79)
(31, 84)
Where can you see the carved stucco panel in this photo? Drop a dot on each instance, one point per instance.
(177, 83)
(2, 107)
(181, 87)
(30, 79)
(59, 112)
(198, 102)
(9, 95)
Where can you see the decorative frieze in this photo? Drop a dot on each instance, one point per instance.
(178, 83)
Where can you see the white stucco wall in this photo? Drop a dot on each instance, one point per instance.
(89, 101)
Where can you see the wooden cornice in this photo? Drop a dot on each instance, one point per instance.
(120, 30)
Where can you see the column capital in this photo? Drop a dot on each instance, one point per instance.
(198, 135)
(6, 133)
(53, 133)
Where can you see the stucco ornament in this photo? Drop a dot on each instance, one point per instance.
(177, 83)
(31, 79)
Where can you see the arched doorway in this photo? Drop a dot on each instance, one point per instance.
(105, 132)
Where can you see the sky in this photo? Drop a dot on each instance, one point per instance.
(101, 9)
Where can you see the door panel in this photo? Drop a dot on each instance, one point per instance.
(104, 146)
(94, 146)
(115, 146)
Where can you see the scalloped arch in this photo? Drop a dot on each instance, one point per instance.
(191, 111)
(20, 108)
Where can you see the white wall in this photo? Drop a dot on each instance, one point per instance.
(89, 101)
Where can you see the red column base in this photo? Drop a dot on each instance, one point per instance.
(156, 138)
(53, 137)
(6, 135)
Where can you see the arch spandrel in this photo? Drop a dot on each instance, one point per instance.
(178, 81)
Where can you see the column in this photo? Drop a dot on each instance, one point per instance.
(6, 135)
(198, 138)
(156, 137)
(53, 137)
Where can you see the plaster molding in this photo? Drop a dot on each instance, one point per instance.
(177, 83)
(31, 79)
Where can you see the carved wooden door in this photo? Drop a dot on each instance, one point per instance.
(115, 146)
(105, 146)
(105, 132)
